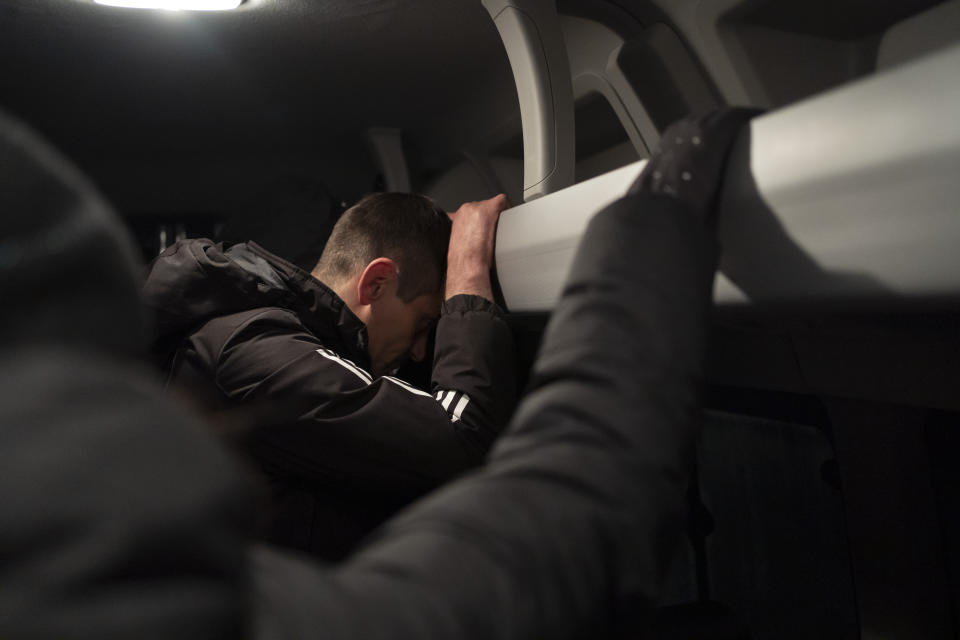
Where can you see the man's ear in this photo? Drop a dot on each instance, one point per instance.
(374, 280)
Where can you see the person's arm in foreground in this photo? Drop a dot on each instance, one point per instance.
(571, 524)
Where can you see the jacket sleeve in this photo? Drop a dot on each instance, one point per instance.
(474, 371)
(331, 421)
(571, 523)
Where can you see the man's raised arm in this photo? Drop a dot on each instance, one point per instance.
(474, 372)
(472, 239)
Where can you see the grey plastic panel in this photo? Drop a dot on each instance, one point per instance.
(923, 33)
(666, 80)
(476, 178)
(848, 196)
(536, 240)
(592, 49)
(701, 26)
(531, 34)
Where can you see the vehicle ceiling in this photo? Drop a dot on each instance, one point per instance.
(277, 81)
(192, 111)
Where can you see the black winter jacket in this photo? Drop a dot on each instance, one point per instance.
(342, 450)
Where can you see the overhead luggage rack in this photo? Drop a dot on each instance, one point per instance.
(850, 196)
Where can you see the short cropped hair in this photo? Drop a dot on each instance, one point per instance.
(407, 228)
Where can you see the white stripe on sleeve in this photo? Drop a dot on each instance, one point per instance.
(346, 364)
(458, 410)
(448, 399)
(407, 386)
(445, 398)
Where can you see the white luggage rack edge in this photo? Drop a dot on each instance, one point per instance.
(848, 196)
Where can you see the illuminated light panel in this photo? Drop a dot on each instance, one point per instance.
(174, 5)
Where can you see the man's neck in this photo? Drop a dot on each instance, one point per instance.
(346, 290)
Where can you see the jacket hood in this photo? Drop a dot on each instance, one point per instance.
(197, 280)
(67, 266)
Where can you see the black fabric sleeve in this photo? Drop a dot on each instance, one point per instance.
(332, 424)
(474, 370)
(571, 523)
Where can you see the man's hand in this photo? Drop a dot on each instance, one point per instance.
(470, 254)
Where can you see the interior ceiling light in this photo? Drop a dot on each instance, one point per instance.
(174, 5)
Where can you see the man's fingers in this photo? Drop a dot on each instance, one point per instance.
(494, 205)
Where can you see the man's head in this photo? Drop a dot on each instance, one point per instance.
(387, 257)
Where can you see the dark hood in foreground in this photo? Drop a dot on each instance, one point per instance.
(120, 516)
(66, 264)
